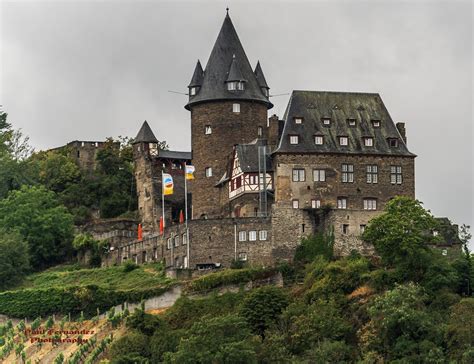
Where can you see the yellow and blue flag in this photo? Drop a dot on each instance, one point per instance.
(167, 184)
(189, 172)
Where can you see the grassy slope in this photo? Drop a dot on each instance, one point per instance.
(147, 276)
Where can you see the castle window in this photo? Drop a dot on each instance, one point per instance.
(372, 174)
(345, 229)
(396, 175)
(236, 108)
(319, 175)
(262, 235)
(78, 154)
(253, 179)
(370, 204)
(393, 142)
(298, 175)
(296, 204)
(343, 140)
(315, 204)
(259, 131)
(208, 172)
(369, 142)
(342, 203)
(252, 235)
(243, 257)
(242, 236)
(184, 239)
(192, 91)
(176, 240)
(318, 139)
(82, 144)
(435, 233)
(208, 130)
(376, 123)
(347, 173)
(326, 121)
(168, 243)
(294, 139)
(362, 228)
(351, 122)
(298, 120)
(235, 86)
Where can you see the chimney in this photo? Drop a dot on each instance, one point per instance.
(402, 131)
(273, 131)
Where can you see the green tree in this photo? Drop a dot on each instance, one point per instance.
(46, 225)
(262, 307)
(223, 339)
(133, 343)
(460, 329)
(14, 258)
(400, 237)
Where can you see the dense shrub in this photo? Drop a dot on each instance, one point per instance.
(229, 276)
(43, 302)
(313, 246)
(133, 343)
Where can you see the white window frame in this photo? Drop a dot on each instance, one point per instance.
(370, 204)
(396, 176)
(342, 203)
(326, 121)
(315, 204)
(243, 256)
(176, 240)
(208, 129)
(298, 120)
(347, 173)
(294, 139)
(259, 131)
(295, 204)
(343, 141)
(351, 122)
(372, 173)
(376, 123)
(298, 175)
(362, 228)
(236, 108)
(253, 235)
(242, 235)
(263, 235)
(208, 172)
(184, 238)
(318, 139)
(319, 175)
(168, 243)
(192, 91)
(369, 141)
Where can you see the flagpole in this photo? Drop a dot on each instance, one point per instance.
(186, 213)
(163, 200)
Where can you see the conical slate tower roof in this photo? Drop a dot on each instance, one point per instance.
(145, 135)
(198, 76)
(260, 77)
(235, 74)
(219, 67)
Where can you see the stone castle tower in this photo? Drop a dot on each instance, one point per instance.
(228, 103)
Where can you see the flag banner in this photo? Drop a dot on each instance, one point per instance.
(167, 184)
(181, 217)
(189, 172)
(140, 232)
(162, 225)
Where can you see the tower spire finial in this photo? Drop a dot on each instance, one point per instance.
(227, 10)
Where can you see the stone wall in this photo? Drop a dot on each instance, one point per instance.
(328, 192)
(116, 231)
(84, 153)
(213, 150)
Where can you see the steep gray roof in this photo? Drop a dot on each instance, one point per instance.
(262, 82)
(235, 74)
(313, 106)
(217, 70)
(170, 154)
(248, 156)
(145, 135)
(198, 75)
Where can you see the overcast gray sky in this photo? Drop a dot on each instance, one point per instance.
(87, 70)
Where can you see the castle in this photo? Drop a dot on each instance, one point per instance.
(262, 184)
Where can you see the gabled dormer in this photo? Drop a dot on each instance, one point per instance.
(235, 80)
(262, 82)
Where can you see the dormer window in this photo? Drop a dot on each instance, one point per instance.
(265, 91)
(369, 141)
(318, 140)
(343, 141)
(351, 122)
(393, 142)
(294, 139)
(236, 86)
(208, 130)
(326, 121)
(376, 123)
(193, 91)
(298, 120)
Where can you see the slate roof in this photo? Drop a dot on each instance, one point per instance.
(214, 87)
(198, 75)
(313, 106)
(262, 82)
(145, 135)
(248, 156)
(170, 154)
